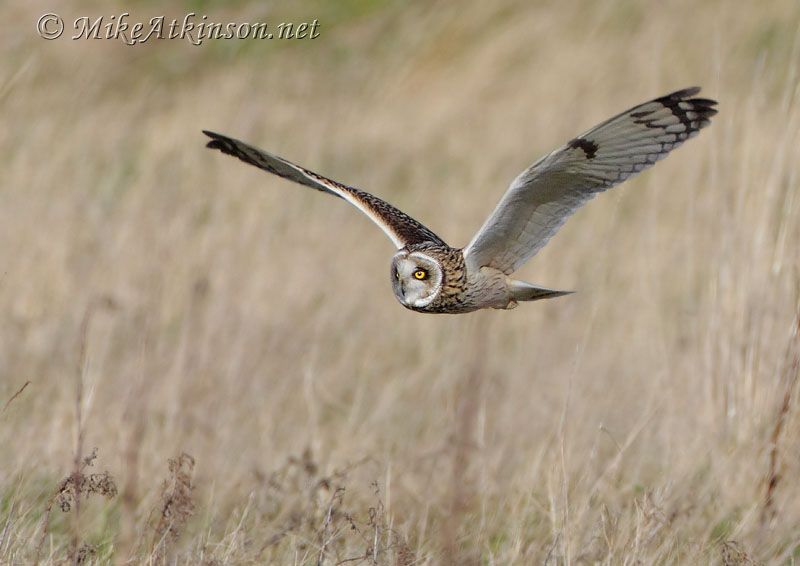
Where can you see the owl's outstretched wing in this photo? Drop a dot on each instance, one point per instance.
(543, 196)
(400, 227)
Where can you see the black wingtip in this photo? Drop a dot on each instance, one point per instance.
(218, 141)
(684, 92)
(693, 113)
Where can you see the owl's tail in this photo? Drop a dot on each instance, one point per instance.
(521, 291)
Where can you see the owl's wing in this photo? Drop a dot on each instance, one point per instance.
(400, 227)
(541, 198)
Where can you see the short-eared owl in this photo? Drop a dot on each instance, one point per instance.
(429, 276)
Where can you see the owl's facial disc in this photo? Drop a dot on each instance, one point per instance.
(416, 279)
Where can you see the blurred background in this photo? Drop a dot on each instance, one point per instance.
(159, 298)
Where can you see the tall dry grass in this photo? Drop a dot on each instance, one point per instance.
(253, 391)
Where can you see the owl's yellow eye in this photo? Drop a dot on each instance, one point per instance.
(420, 274)
(397, 275)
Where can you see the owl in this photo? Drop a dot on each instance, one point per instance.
(429, 276)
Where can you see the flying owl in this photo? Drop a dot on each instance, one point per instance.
(429, 276)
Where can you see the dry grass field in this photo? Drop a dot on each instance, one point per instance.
(201, 363)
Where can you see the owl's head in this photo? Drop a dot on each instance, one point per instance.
(416, 279)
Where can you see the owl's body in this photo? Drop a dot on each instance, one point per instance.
(430, 276)
(446, 284)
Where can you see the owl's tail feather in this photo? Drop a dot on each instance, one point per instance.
(521, 291)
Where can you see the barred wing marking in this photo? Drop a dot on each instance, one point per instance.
(401, 228)
(541, 198)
